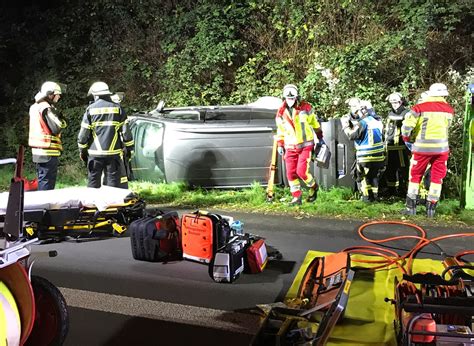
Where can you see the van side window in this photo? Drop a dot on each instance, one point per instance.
(228, 115)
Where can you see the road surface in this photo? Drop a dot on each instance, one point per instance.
(115, 300)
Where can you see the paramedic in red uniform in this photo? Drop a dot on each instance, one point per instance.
(425, 130)
(103, 135)
(44, 138)
(296, 128)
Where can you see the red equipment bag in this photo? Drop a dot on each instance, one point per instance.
(257, 257)
(156, 238)
(202, 235)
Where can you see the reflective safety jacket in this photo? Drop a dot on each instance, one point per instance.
(296, 126)
(104, 129)
(368, 139)
(426, 126)
(45, 127)
(393, 129)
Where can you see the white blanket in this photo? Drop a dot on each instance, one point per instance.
(100, 198)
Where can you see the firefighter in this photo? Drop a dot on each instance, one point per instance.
(365, 129)
(297, 127)
(46, 124)
(425, 129)
(398, 154)
(103, 135)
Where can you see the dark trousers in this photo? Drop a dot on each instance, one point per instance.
(47, 173)
(367, 177)
(110, 166)
(396, 173)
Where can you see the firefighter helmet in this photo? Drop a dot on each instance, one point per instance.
(50, 88)
(98, 89)
(290, 90)
(394, 97)
(438, 89)
(354, 104)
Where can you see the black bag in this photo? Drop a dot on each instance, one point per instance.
(156, 238)
(228, 262)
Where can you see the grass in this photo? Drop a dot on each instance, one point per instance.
(340, 203)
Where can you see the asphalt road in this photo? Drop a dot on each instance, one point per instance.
(115, 300)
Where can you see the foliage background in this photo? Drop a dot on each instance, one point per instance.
(224, 52)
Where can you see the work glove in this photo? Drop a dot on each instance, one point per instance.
(281, 151)
(84, 155)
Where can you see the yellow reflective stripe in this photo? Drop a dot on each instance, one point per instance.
(129, 143)
(86, 126)
(45, 152)
(82, 146)
(107, 123)
(370, 151)
(104, 110)
(123, 180)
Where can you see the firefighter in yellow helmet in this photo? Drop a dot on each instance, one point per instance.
(297, 126)
(46, 125)
(425, 129)
(103, 135)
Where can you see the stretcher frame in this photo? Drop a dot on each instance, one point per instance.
(83, 222)
(77, 221)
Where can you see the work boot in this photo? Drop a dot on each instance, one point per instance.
(410, 207)
(430, 209)
(295, 201)
(365, 199)
(313, 193)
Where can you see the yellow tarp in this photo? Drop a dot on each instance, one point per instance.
(368, 319)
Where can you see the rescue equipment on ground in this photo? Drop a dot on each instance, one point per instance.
(34, 309)
(321, 301)
(428, 306)
(228, 263)
(156, 237)
(202, 234)
(256, 256)
(208, 238)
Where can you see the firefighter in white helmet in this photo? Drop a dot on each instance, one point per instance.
(425, 128)
(398, 155)
(365, 129)
(103, 135)
(297, 126)
(46, 125)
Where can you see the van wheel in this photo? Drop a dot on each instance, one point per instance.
(51, 316)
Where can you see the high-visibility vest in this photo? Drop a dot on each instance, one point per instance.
(296, 129)
(370, 148)
(40, 138)
(427, 126)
